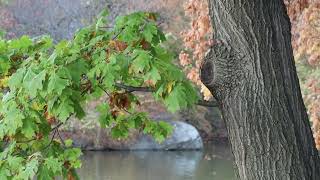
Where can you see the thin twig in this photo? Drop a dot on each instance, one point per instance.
(126, 111)
(104, 90)
(207, 103)
(62, 141)
(54, 130)
(106, 27)
(85, 90)
(132, 88)
(54, 134)
(56, 127)
(27, 141)
(115, 37)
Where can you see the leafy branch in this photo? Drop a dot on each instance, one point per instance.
(56, 80)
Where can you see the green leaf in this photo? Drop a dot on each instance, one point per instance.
(43, 173)
(33, 82)
(136, 120)
(77, 69)
(13, 120)
(28, 128)
(79, 112)
(159, 137)
(68, 142)
(4, 65)
(149, 127)
(166, 128)
(15, 80)
(182, 96)
(105, 118)
(65, 109)
(3, 47)
(153, 75)
(30, 170)
(8, 150)
(4, 173)
(162, 54)
(72, 155)
(141, 62)
(61, 47)
(53, 164)
(14, 162)
(52, 58)
(57, 84)
(45, 42)
(121, 130)
(149, 31)
(176, 99)
(23, 43)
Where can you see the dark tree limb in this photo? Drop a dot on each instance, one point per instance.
(132, 88)
(208, 103)
(148, 89)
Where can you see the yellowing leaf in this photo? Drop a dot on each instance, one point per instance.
(169, 86)
(36, 106)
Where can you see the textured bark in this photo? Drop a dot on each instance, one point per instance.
(252, 75)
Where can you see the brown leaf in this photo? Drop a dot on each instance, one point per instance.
(118, 45)
(145, 44)
(70, 176)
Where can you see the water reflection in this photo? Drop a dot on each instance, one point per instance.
(212, 163)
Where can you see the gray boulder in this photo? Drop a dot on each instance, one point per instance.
(184, 137)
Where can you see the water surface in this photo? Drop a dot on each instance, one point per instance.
(213, 163)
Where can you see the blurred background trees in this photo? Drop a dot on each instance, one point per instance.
(305, 19)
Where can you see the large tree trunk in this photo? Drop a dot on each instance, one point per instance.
(252, 75)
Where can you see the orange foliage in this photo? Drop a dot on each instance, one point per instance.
(197, 41)
(305, 19)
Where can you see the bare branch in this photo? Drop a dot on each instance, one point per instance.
(104, 90)
(115, 37)
(54, 134)
(132, 88)
(61, 139)
(106, 27)
(56, 127)
(213, 103)
(148, 89)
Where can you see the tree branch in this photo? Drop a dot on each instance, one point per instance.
(132, 88)
(57, 126)
(104, 90)
(121, 30)
(61, 139)
(148, 89)
(52, 138)
(213, 103)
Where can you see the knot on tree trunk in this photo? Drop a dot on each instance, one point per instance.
(222, 69)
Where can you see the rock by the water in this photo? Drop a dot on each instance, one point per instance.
(184, 136)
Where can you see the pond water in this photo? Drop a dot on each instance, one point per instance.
(212, 163)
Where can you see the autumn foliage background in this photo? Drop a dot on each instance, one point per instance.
(305, 18)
